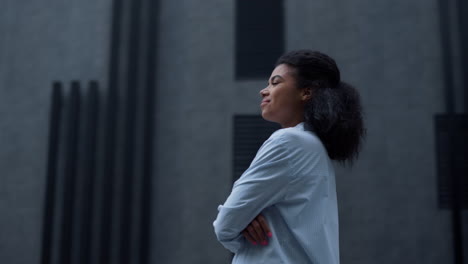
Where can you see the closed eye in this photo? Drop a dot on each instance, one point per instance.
(274, 80)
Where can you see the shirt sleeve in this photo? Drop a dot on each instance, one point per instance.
(263, 184)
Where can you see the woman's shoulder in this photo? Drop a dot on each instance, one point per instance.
(302, 146)
(295, 134)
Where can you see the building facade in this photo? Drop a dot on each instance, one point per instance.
(390, 51)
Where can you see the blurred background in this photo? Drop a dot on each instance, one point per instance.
(124, 123)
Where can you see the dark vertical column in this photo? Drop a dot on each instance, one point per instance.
(132, 90)
(128, 153)
(52, 164)
(148, 133)
(456, 193)
(451, 121)
(462, 7)
(447, 55)
(71, 157)
(88, 172)
(110, 138)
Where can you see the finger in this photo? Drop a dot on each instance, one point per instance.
(258, 229)
(249, 237)
(253, 233)
(264, 225)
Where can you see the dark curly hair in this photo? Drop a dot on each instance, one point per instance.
(334, 111)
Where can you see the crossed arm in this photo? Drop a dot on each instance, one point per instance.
(262, 185)
(257, 231)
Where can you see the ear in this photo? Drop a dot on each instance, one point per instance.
(306, 94)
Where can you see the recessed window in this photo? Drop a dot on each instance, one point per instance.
(250, 131)
(452, 158)
(259, 37)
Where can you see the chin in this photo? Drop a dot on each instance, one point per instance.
(267, 117)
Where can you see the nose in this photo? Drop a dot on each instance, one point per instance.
(264, 92)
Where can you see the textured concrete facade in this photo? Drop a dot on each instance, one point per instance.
(193, 102)
(389, 50)
(40, 43)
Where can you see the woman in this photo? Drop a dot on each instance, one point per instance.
(283, 209)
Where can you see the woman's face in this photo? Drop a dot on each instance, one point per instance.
(282, 102)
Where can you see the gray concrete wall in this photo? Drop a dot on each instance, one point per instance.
(193, 111)
(39, 42)
(389, 50)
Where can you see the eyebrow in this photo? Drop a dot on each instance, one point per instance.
(274, 77)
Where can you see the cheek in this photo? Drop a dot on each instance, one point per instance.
(280, 108)
(288, 101)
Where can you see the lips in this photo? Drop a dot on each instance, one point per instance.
(264, 102)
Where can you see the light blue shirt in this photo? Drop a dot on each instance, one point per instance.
(291, 181)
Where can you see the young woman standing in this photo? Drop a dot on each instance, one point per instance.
(283, 209)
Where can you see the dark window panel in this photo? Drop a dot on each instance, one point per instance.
(259, 37)
(250, 131)
(452, 158)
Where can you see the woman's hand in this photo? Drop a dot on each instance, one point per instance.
(257, 231)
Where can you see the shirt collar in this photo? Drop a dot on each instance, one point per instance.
(304, 127)
(300, 125)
